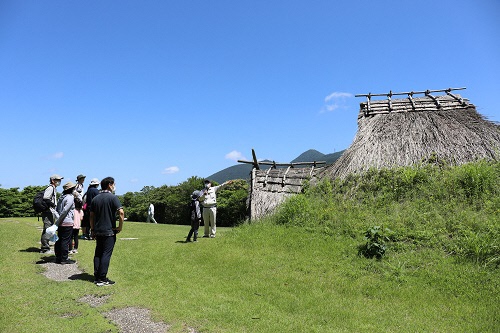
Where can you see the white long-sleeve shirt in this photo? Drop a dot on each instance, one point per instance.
(208, 197)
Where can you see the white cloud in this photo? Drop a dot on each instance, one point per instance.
(235, 155)
(336, 101)
(170, 170)
(337, 95)
(56, 156)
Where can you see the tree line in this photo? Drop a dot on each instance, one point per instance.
(171, 202)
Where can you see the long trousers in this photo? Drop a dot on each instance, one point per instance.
(151, 217)
(74, 237)
(194, 230)
(209, 217)
(102, 256)
(61, 247)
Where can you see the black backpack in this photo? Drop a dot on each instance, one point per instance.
(39, 204)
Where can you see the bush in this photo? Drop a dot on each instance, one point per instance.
(375, 246)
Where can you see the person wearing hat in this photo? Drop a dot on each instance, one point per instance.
(50, 215)
(65, 208)
(208, 200)
(92, 191)
(80, 179)
(195, 217)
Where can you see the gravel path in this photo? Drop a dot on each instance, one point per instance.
(135, 320)
(129, 320)
(59, 272)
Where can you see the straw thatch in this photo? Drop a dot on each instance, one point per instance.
(272, 186)
(408, 131)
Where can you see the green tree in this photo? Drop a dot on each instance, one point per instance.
(9, 201)
(172, 202)
(232, 204)
(26, 202)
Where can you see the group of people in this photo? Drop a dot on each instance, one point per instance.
(204, 208)
(94, 211)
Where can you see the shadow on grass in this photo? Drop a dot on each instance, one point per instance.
(31, 249)
(45, 260)
(186, 242)
(82, 276)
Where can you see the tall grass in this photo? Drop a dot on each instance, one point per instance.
(453, 208)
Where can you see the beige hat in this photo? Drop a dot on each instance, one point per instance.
(68, 185)
(94, 181)
(54, 177)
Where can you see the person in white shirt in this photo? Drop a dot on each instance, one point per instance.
(80, 179)
(151, 214)
(50, 215)
(208, 200)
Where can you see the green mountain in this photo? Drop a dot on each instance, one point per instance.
(313, 155)
(243, 170)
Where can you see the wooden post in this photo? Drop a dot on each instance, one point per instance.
(255, 162)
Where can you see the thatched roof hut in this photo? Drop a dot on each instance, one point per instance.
(408, 131)
(272, 183)
(272, 186)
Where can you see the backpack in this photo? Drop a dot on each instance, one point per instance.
(40, 205)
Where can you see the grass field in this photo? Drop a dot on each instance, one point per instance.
(253, 278)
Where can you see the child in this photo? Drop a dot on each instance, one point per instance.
(195, 216)
(78, 217)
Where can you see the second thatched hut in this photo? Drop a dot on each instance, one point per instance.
(409, 131)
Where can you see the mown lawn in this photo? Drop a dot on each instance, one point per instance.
(253, 278)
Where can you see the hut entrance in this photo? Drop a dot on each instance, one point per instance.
(271, 183)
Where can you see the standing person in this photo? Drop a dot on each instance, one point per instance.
(151, 213)
(50, 215)
(80, 179)
(195, 216)
(65, 208)
(92, 191)
(78, 192)
(103, 224)
(78, 217)
(208, 200)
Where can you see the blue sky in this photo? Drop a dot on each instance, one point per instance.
(154, 92)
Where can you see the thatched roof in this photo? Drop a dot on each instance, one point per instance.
(272, 186)
(278, 181)
(408, 131)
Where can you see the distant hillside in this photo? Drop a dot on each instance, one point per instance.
(242, 170)
(313, 155)
(239, 171)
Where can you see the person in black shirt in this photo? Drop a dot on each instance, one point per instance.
(103, 210)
